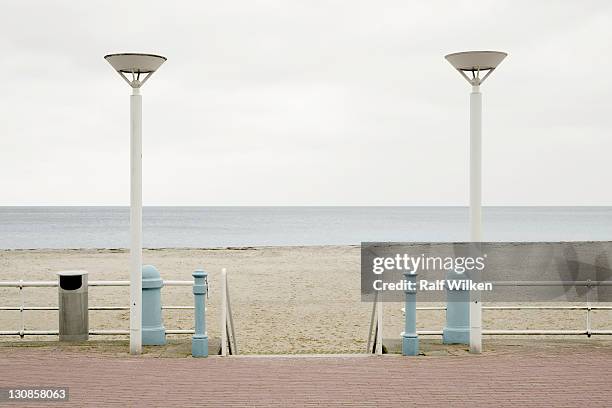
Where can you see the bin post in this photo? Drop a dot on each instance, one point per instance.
(410, 339)
(153, 331)
(457, 329)
(199, 341)
(73, 306)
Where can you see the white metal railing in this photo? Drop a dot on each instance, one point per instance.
(588, 331)
(588, 307)
(46, 284)
(49, 284)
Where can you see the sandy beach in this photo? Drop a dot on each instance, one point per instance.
(285, 299)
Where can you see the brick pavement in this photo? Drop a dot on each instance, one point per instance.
(567, 378)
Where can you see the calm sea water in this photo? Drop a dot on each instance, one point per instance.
(197, 227)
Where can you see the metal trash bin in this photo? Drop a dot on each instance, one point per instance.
(73, 306)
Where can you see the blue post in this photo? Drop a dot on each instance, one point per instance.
(457, 329)
(410, 339)
(199, 341)
(153, 331)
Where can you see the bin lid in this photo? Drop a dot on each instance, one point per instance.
(72, 273)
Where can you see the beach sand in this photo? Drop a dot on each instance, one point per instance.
(284, 299)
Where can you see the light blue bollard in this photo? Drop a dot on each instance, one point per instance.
(457, 329)
(153, 331)
(410, 339)
(199, 341)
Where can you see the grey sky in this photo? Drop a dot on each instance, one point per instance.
(305, 103)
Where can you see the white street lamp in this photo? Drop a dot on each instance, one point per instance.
(472, 65)
(135, 69)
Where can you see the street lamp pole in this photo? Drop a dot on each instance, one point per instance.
(475, 309)
(475, 164)
(474, 63)
(135, 221)
(131, 67)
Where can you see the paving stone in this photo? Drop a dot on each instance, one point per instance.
(570, 376)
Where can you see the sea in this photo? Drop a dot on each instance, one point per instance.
(220, 227)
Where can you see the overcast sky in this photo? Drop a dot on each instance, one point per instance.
(305, 102)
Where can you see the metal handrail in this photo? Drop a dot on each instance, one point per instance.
(588, 307)
(50, 284)
(552, 283)
(20, 284)
(91, 332)
(14, 308)
(527, 332)
(577, 307)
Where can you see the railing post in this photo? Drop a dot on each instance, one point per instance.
(588, 311)
(199, 342)
(21, 299)
(410, 339)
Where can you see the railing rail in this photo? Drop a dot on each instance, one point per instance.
(21, 284)
(586, 332)
(50, 284)
(588, 307)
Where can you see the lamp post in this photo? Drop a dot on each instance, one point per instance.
(471, 65)
(131, 67)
